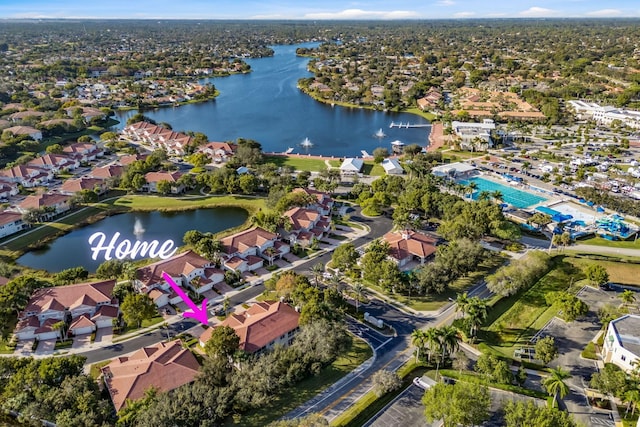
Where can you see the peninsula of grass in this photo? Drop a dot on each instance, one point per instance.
(298, 163)
(41, 234)
(299, 393)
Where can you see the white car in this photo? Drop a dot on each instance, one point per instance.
(418, 381)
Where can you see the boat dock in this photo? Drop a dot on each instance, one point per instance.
(408, 125)
(365, 155)
(289, 150)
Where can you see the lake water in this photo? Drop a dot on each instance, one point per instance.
(266, 105)
(73, 249)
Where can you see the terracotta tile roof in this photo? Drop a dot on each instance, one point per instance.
(109, 171)
(9, 217)
(50, 160)
(174, 266)
(252, 260)
(261, 324)
(3, 281)
(302, 217)
(106, 311)
(130, 158)
(319, 195)
(29, 322)
(165, 366)
(162, 176)
(61, 297)
(47, 326)
(410, 243)
(21, 171)
(244, 240)
(42, 200)
(81, 321)
(234, 262)
(79, 184)
(80, 148)
(23, 130)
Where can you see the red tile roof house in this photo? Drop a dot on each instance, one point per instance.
(219, 152)
(107, 172)
(83, 151)
(8, 189)
(153, 178)
(55, 162)
(57, 203)
(93, 302)
(304, 219)
(164, 366)
(262, 326)
(408, 244)
(73, 186)
(324, 201)
(11, 223)
(187, 269)
(27, 176)
(34, 133)
(158, 137)
(247, 246)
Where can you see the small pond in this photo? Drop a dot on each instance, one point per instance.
(73, 249)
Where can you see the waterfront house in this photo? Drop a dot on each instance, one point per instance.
(75, 185)
(51, 204)
(262, 326)
(408, 245)
(351, 166)
(48, 306)
(153, 178)
(219, 152)
(392, 166)
(164, 366)
(10, 223)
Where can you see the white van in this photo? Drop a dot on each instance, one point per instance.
(423, 382)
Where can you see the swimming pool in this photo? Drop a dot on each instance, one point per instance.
(511, 195)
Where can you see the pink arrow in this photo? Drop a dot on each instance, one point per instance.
(196, 313)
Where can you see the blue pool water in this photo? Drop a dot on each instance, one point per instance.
(510, 195)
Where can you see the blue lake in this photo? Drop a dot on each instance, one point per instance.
(266, 105)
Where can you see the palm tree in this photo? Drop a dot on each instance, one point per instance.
(632, 398)
(627, 297)
(418, 338)
(477, 313)
(462, 303)
(555, 383)
(497, 196)
(60, 327)
(317, 271)
(334, 280)
(359, 290)
(449, 340)
(471, 187)
(432, 341)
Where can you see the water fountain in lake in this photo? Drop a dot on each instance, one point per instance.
(138, 230)
(380, 133)
(306, 143)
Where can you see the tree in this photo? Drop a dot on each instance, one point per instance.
(379, 154)
(61, 328)
(546, 350)
(54, 149)
(359, 290)
(316, 271)
(596, 274)
(385, 381)
(344, 257)
(610, 381)
(224, 342)
(110, 269)
(518, 414)
(555, 383)
(628, 297)
(461, 403)
(136, 308)
(418, 339)
(163, 187)
(460, 361)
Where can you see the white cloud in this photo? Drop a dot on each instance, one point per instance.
(363, 14)
(538, 12)
(446, 3)
(605, 12)
(463, 14)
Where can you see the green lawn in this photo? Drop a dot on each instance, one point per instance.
(372, 169)
(308, 388)
(619, 272)
(514, 320)
(298, 163)
(429, 116)
(335, 163)
(599, 241)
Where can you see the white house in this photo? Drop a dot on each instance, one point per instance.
(351, 166)
(453, 170)
(10, 223)
(622, 342)
(34, 133)
(392, 166)
(474, 134)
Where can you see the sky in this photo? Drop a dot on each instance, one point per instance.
(318, 10)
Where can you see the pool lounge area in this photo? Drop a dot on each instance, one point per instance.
(513, 196)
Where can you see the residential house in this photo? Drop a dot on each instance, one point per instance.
(83, 151)
(27, 175)
(244, 249)
(32, 132)
(306, 225)
(164, 366)
(75, 185)
(187, 269)
(622, 342)
(48, 306)
(174, 143)
(351, 166)
(11, 223)
(107, 172)
(392, 166)
(408, 245)
(87, 113)
(130, 158)
(473, 136)
(219, 152)
(51, 204)
(22, 115)
(54, 162)
(153, 178)
(324, 202)
(262, 326)
(8, 189)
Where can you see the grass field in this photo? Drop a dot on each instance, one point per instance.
(619, 272)
(300, 164)
(308, 388)
(372, 169)
(598, 241)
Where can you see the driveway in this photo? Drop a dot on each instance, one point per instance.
(571, 339)
(45, 347)
(81, 341)
(105, 335)
(24, 348)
